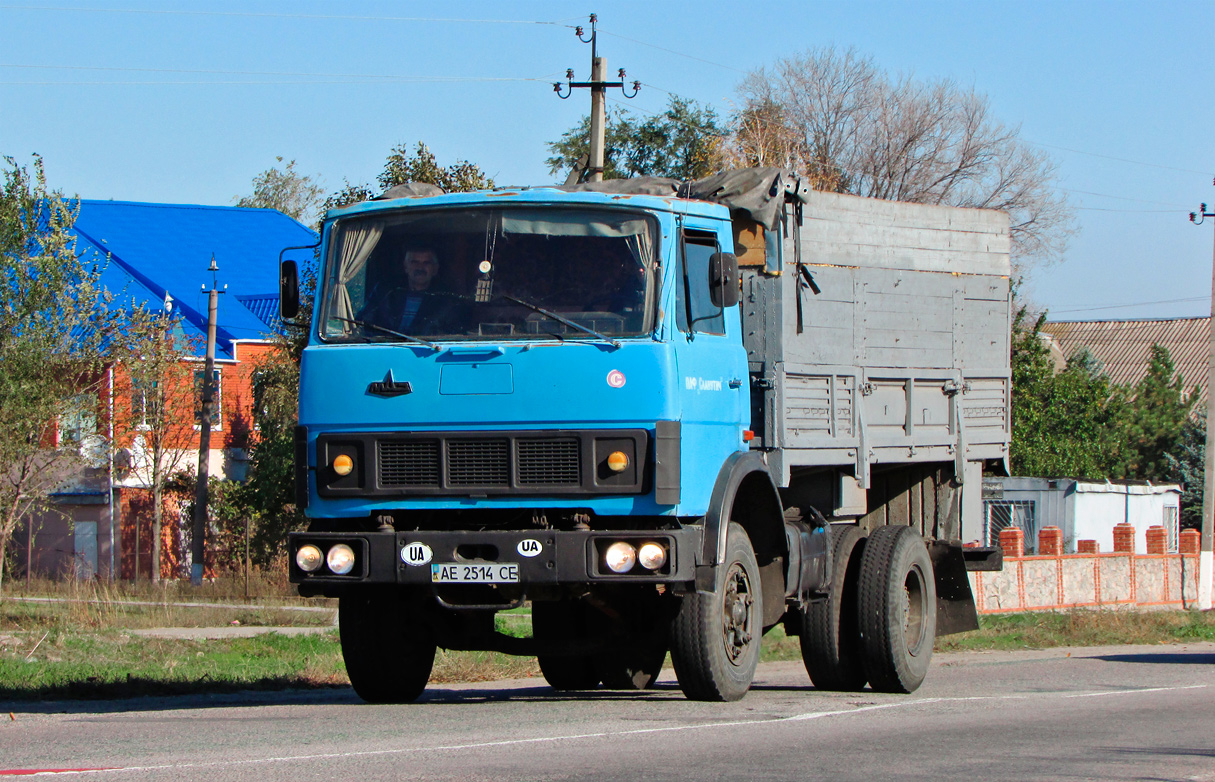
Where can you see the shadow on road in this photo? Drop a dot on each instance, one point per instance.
(199, 697)
(1158, 658)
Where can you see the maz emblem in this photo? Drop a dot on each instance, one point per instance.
(389, 387)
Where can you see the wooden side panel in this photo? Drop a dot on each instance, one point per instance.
(749, 241)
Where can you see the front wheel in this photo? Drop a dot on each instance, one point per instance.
(896, 609)
(715, 637)
(388, 652)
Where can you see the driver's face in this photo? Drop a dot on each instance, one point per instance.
(421, 267)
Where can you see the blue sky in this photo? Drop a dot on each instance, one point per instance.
(185, 102)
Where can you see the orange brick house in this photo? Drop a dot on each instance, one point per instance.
(157, 256)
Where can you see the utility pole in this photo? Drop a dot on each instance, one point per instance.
(1205, 557)
(197, 545)
(598, 87)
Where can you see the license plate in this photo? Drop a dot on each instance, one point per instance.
(459, 573)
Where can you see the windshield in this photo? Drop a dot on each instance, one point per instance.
(490, 274)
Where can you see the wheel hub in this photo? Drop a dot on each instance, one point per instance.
(737, 613)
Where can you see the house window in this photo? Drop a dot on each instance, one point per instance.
(145, 396)
(1000, 514)
(1172, 527)
(78, 421)
(216, 418)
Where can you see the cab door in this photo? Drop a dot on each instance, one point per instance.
(712, 367)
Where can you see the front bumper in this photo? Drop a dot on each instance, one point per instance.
(542, 556)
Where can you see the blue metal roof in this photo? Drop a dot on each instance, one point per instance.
(156, 250)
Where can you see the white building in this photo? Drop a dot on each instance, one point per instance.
(1084, 510)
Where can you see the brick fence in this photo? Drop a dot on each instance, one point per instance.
(1052, 580)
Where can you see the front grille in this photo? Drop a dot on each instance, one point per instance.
(549, 463)
(409, 462)
(485, 463)
(478, 463)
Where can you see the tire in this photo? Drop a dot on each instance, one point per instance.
(388, 656)
(636, 669)
(715, 637)
(830, 640)
(563, 620)
(896, 609)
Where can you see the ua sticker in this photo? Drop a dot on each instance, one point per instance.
(528, 547)
(416, 554)
(615, 378)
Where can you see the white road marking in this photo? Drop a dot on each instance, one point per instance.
(812, 715)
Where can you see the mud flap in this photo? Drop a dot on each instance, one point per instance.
(955, 603)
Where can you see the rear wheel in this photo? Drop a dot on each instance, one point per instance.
(715, 637)
(829, 637)
(563, 620)
(897, 609)
(388, 652)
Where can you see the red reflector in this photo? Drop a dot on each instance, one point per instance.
(748, 435)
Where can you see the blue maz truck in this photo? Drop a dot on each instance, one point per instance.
(669, 416)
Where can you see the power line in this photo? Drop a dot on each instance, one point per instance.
(1132, 304)
(1119, 159)
(256, 14)
(1122, 198)
(208, 72)
(672, 51)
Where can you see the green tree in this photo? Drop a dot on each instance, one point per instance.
(267, 497)
(56, 330)
(683, 142)
(1185, 466)
(286, 190)
(1065, 423)
(1156, 417)
(418, 165)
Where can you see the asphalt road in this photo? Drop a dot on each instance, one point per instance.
(1107, 713)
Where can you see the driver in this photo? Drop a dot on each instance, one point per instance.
(414, 307)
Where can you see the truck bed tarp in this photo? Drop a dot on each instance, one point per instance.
(758, 192)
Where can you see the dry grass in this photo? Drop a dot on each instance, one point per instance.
(100, 606)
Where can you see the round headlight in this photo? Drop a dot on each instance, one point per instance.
(651, 556)
(617, 461)
(343, 464)
(340, 559)
(620, 557)
(308, 558)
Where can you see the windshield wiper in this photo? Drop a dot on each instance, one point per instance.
(562, 320)
(367, 325)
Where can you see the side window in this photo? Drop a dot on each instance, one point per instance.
(694, 308)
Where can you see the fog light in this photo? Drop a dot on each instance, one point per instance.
(308, 558)
(340, 559)
(620, 557)
(617, 461)
(343, 464)
(651, 556)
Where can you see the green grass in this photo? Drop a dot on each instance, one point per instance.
(47, 654)
(1082, 628)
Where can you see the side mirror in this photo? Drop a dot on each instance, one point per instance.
(723, 279)
(288, 290)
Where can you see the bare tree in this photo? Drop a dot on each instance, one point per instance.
(160, 385)
(836, 117)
